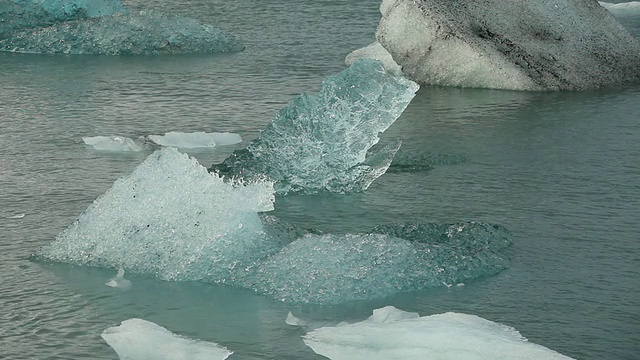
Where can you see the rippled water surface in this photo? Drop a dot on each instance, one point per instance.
(561, 171)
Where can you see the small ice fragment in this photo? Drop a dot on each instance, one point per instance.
(17, 216)
(112, 143)
(137, 339)
(119, 281)
(294, 321)
(195, 140)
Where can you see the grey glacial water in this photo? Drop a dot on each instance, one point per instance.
(561, 171)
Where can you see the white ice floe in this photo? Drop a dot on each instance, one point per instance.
(137, 339)
(195, 139)
(112, 143)
(391, 333)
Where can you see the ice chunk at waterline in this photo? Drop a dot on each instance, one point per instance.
(518, 45)
(172, 219)
(137, 339)
(319, 142)
(395, 334)
(27, 27)
(632, 7)
(331, 269)
(69, 9)
(195, 140)
(112, 143)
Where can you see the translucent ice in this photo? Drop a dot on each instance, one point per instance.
(375, 51)
(103, 27)
(391, 334)
(319, 142)
(195, 140)
(330, 268)
(69, 9)
(518, 45)
(112, 143)
(171, 219)
(137, 339)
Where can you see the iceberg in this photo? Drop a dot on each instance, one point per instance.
(137, 339)
(112, 143)
(195, 140)
(391, 334)
(104, 28)
(516, 45)
(319, 142)
(333, 268)
(144, 224)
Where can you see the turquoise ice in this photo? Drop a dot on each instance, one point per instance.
(321, 142)
(105, 28)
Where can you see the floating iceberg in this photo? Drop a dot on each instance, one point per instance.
(171, 219)
(137, 339)
(391, 334)
(195, 140)
(329, 269)
(518, 45)
(319, 142)
(112, 143)
(103, 27)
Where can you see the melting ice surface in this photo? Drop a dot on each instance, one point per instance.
(137, 339)
(201, 232)
(195, 140)
(319, 142)
(375, 51)
(103, 27)
(391, 333)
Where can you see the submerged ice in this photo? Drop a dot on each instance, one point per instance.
(332, 268)
(319, 142)
(391, 333)
(137, 339)
(103, 27)
(518, 45)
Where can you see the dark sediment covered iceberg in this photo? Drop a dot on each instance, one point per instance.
(319, 142)
(103, 27)
(519, 45)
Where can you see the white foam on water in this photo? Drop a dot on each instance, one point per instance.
(195, 140)
(391, 333)
(137, 339)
